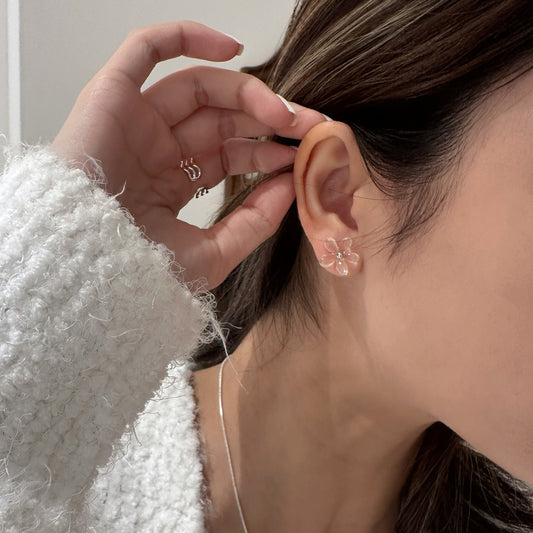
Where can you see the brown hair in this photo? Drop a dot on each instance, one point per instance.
(407, 77)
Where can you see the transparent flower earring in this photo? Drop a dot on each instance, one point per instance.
(340, 254)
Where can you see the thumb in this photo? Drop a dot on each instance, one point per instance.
(243, 230)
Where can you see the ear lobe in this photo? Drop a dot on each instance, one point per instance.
(328, 172)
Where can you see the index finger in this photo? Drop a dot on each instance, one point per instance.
(143, 48)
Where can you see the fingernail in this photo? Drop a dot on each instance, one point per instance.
(290, 108)
(241, 46)
(327, 118)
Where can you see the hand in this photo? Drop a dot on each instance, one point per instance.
(140, 137)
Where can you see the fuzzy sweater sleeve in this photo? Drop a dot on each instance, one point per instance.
(90, 318)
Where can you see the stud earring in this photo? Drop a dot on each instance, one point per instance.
(340, 254)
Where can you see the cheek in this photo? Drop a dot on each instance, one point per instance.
(460, 326)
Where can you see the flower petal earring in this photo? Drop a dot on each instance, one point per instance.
(340, 254)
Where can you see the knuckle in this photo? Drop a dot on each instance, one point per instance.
(250, 84)
(183, 41)
(265, 222)
(200, 94)
(150, 49)
(226, 159)
(226, 124)
(240, 94)
(133, 33)
(260, 223)
(181, 143)
(137, 33)
(258, 160)
(143, 38)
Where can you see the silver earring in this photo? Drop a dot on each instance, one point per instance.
(340, 254)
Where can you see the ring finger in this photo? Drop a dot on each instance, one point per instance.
(235, 156)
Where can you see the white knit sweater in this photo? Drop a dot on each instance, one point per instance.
(93, 327)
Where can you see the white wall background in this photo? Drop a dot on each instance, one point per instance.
(63, 43)
(4, 103)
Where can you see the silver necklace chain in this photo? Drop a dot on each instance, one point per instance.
(230, 464)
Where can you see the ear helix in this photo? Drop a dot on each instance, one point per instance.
(340, 255)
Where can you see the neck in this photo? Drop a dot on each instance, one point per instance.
(318, 441)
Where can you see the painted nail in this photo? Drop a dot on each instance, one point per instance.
(290, 108)
(241, 46)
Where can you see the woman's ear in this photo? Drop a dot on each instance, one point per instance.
(329, 171)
